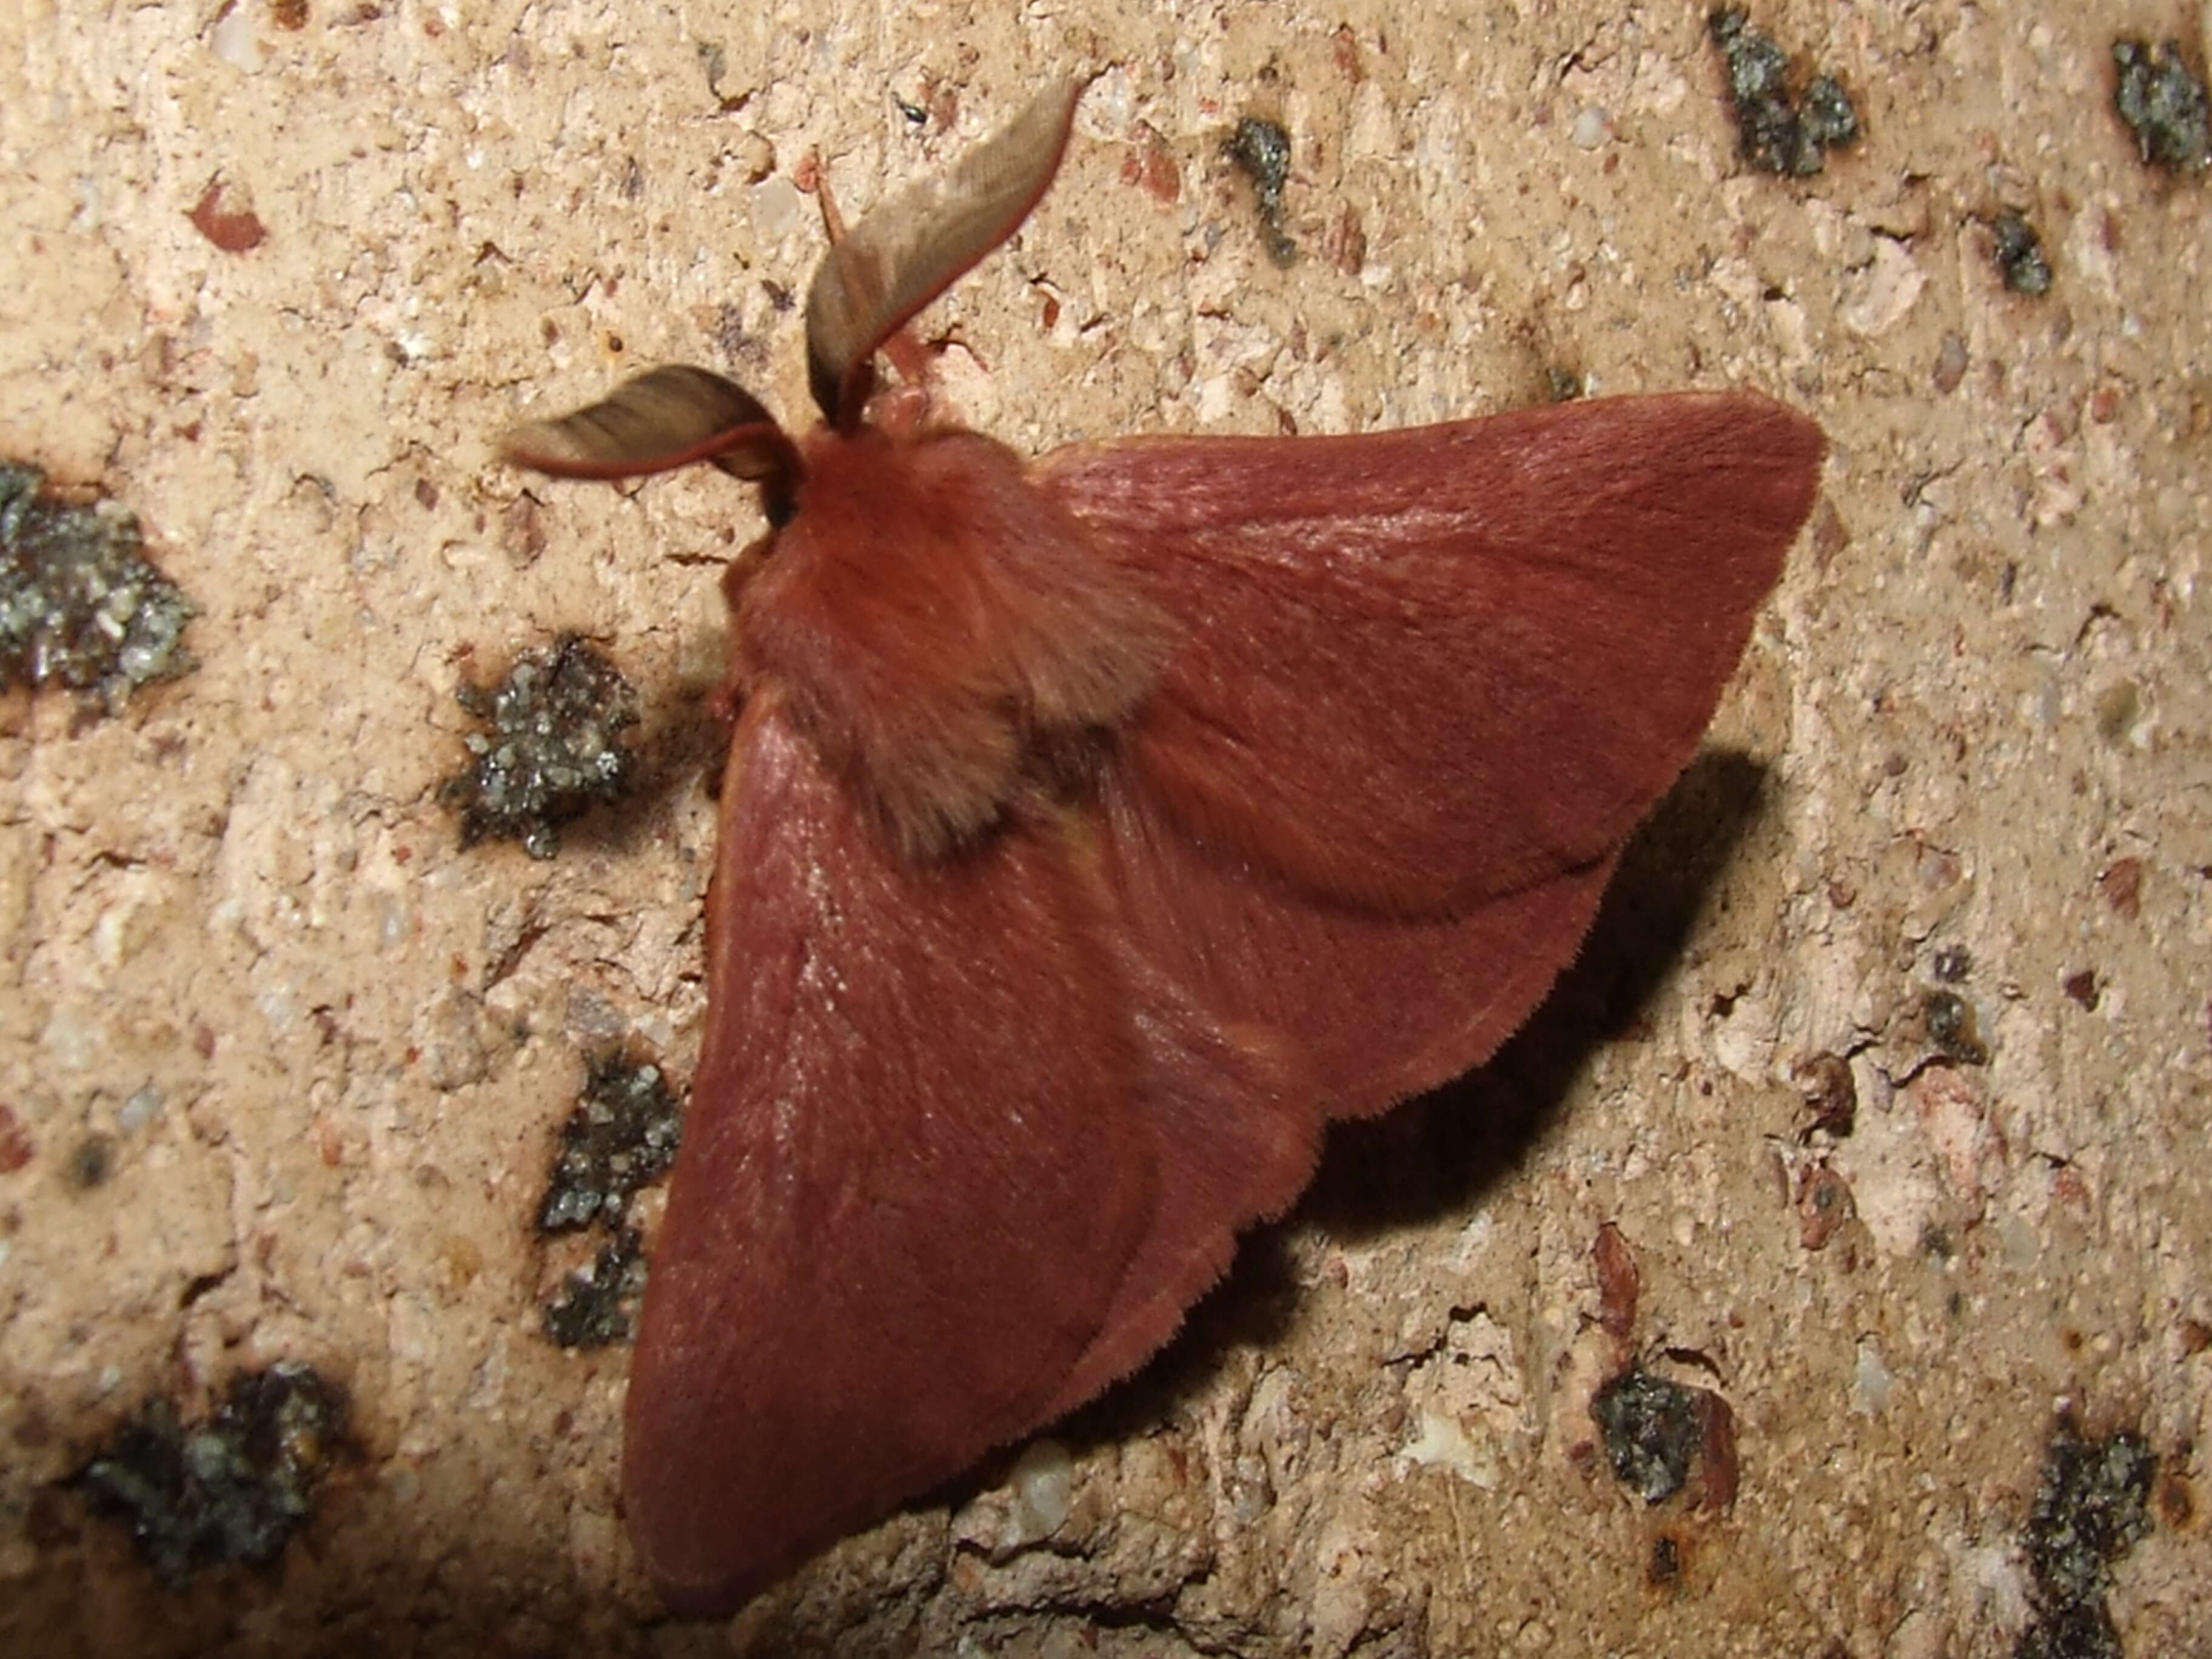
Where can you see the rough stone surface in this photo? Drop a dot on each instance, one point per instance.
(283, 1066)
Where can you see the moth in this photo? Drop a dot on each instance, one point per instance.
(1095, 829)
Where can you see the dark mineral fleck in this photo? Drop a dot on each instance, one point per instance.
(1826, 118)
(2019, 255)
(1953, 1028)
(92, 1161)
(1652, 1429)
(621, 1136)
(1830, 1094)
(2083, 988)
(2090, 1508)
(555, 746)
(1663, 1570)
(1953, 965)
(1776, 132)
(592, 1308)
(1261, 150)
(2163, 104)
(234, 1488)
(79, 605)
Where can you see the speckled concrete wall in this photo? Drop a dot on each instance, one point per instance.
(1875, 1110)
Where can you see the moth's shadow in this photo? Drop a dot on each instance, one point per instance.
(679, 745)
(1436, 1155)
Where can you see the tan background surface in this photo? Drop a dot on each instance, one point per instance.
(1983, 685)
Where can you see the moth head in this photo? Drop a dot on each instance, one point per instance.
(903, 254)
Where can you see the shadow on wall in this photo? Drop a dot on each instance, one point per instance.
(1437, 1155)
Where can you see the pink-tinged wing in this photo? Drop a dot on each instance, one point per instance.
(1431, 680)
(1234, 1113)
(1378, 1007)
(914, 1171)
(1264, 1010)
(1433, 667)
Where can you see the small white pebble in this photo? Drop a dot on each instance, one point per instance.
(1592, 127)
(139, 1110)
(1044, 1490)
(776, 209)
(232, 39)
(1872, 1382)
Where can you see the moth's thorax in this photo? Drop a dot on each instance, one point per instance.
(944, 629)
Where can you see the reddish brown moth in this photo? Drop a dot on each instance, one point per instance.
(1096, 828)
